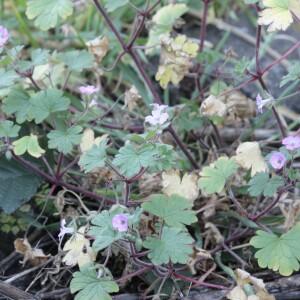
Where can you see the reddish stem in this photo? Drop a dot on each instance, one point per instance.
(271, 205)
(203, 25)
(201, 46)
(58, 182)
(281, 58)
(199, 282)
(59, 164)
(182, 147)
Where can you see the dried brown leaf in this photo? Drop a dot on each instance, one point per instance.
(98, 47)
(239, 107)
(198, 254)
(290, 209)
(213, 233)
(34, 256)
(149, 184)
(131, 99)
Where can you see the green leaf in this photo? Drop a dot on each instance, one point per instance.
(241, 66)
(8, 129)
(174, 210)
(17, 103)
(103, 231)
(39, 56)
(47, 13)
(28, 144)
(163, 158)
(163, 21)
(76, 60)
(189, 118)
(174, 246)
(93, 158)
(64, 140)
(262, 184)
(278, 253)
(17, 185)
(90, 286)
(209, 56)
(217, 87)
(214, 177)
(293, 74)
(47, 102)
(131, 159)
(113, 5)
(7, 78)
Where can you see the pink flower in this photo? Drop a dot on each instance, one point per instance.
(88, 90)
(291, 142)
(64, 230)
(159, 115)
(4, 36)
(277, 160)
(120, 222)
(260, 102)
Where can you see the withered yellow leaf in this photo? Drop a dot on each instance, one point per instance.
(278, 14)
(88, 140)
(186, 186)
(176, 59)
(213, 107)
(79, 250)
(243, 278)
(249, 156)
(237, 293)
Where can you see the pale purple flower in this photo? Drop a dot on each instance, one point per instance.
(88, 90)
(64, 230)
(4, 36)
(291, 142)
(277, 160)
(120, 222)
(159, 115)
(260, 102)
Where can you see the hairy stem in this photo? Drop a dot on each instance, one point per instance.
(201, 46)
(199, 282)
(58, 182)
(183, 147)
(279, 122)
(261, 81)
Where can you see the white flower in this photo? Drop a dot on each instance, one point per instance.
(88, 90)
(93, 103)
(4, 36)
(64, 230)
(159, 115)
(260, 102)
